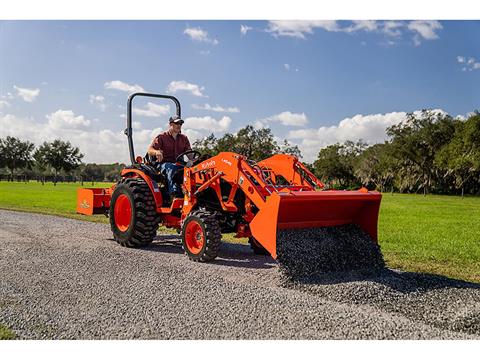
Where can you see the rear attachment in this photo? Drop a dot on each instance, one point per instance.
(93, 200)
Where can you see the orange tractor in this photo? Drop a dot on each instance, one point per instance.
(226, 193)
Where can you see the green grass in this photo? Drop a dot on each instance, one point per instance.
(433, 234)
(45, 199)
(6, 333)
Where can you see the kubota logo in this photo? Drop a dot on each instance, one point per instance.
(208, 164)
(227, 162)
(84, 204)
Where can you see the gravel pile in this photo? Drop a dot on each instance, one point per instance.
(67, 279)
(304, 254)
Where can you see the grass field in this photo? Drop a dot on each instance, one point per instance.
(6, 333)
(432, 234)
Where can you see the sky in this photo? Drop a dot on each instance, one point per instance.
(312, 82)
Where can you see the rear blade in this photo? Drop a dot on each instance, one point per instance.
(314, 209)
(93, 200)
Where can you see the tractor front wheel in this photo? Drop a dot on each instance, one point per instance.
(201, 236)
(133, 218)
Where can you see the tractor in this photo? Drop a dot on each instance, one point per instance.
(226, 193)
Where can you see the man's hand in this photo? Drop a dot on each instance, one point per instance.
(158, 154)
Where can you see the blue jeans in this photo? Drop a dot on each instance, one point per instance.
(170, 169)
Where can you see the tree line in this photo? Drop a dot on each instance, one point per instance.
(429, 152)
(52, 161)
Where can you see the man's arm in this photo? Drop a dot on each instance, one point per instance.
(154, 149)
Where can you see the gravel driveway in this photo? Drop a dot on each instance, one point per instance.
(66, 279)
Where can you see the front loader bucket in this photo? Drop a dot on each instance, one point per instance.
(314, 209)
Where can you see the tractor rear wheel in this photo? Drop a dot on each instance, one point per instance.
(257, 248)
(133, 218)
(201, 236)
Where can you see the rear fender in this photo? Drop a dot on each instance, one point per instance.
(154, 188)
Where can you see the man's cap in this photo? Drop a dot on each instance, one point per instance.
(176, 119)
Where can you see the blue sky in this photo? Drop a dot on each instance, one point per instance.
(313, 82)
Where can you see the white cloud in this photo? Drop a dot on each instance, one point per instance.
(298, 29)
(425, 29)
(244, 29)
(99, 101)
(100, 146)
(152, 110)
(392, 28)
(216, 108)
(28, 95)
(285, 118)
(288, 67)
(8, 96)
(369, 128)
(198, 34)
(208, 123)
(470, 64)
(66, 119)
(182, 85)
(120, 85)
(4, 104)
(362, 25)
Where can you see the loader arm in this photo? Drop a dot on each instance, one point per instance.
(235, 170)
(291, 169)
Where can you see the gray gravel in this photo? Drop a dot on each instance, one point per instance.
(66, 279)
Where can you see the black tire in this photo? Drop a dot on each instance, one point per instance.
(143, 221)
(257, 248)
(204, 224)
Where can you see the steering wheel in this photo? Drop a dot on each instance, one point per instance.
(188, 158)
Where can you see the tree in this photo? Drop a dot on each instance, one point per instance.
(255, 144)
(92, 172)
(334, 164)
(15, 154)
(206, 146)
(287, 148)
(460, 158)
(59, 155)
(375, 166)
(415, 143)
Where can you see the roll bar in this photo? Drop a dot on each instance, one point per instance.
(128, 131)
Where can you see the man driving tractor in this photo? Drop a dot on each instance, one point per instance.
(165, 148)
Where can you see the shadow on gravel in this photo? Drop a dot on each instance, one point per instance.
(233, 255)
(399, 281)
(239, 255)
